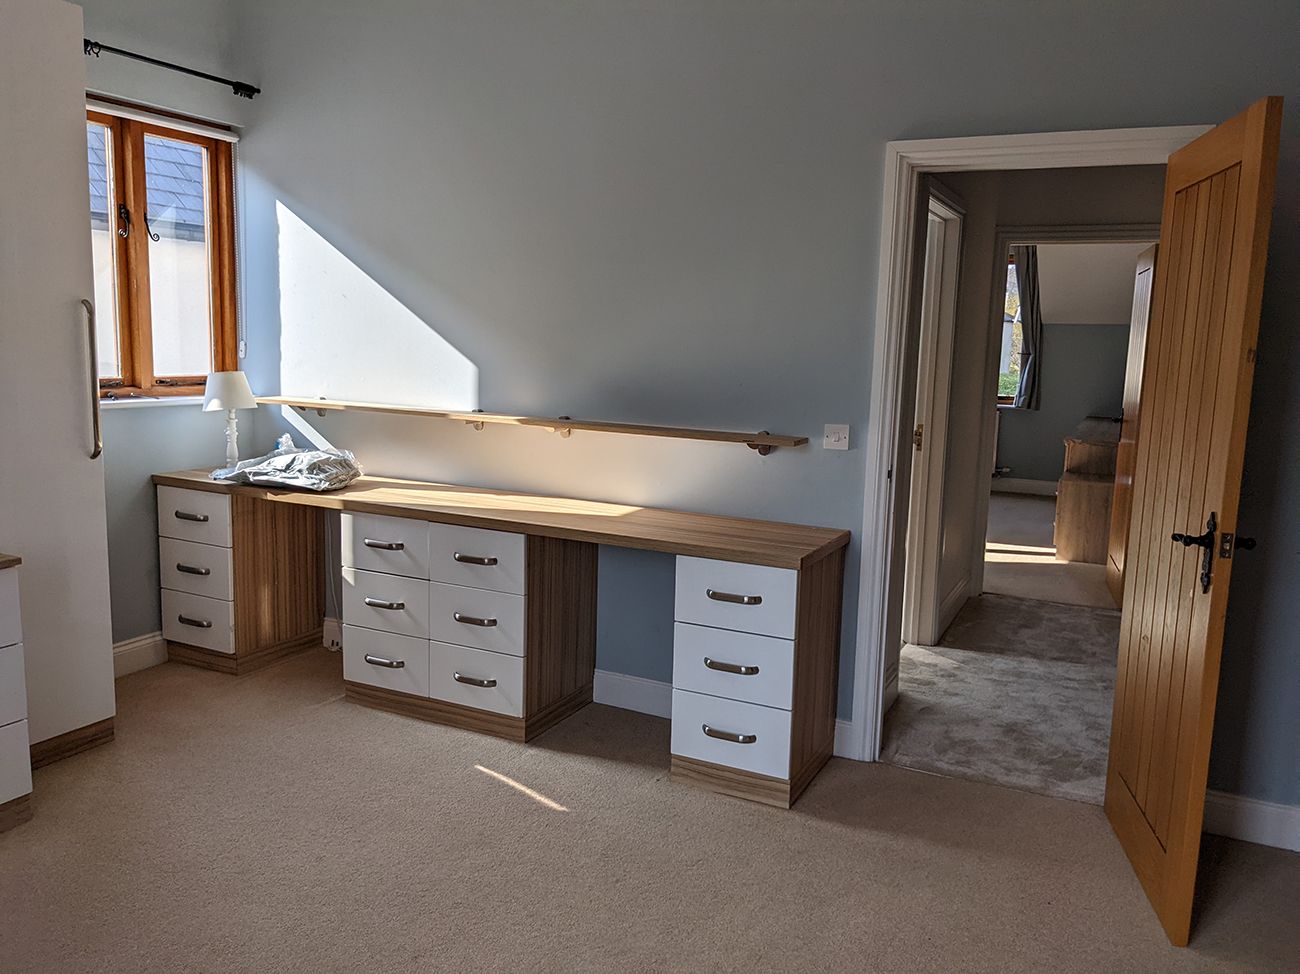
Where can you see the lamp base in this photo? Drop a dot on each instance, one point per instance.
(232, 438)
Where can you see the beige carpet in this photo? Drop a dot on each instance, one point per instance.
(1019, 693)
(263, 824)
(1020, 557)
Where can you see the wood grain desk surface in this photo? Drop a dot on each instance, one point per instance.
(623, 525)
(9, 561)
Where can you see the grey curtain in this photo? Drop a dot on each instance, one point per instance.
(1031, 327)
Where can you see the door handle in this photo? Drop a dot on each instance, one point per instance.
(1206, 543)
(192, 569)
(383, 604)
(486, 560)
(474, 681)
(187, 516)
(386, 545)
(473, 620)
(97, 446)
(185, 620)
(392, 664)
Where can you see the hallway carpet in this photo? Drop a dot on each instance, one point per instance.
(264, 824)
(1019, 694)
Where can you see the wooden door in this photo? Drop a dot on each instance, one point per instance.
(1195, 400)
(1121, 504)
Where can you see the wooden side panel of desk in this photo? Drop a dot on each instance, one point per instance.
(560, 663)
(816, 669)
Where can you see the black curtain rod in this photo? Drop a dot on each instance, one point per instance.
(240, 88)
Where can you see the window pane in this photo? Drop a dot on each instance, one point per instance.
(180, 297)
(1009, 363)
(99, 155)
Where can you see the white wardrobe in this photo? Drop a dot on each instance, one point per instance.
(51, 488)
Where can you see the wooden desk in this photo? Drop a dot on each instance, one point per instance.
(477, 608)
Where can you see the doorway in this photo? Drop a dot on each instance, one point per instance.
(1016, 685)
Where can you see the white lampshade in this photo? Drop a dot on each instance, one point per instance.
(227, 390)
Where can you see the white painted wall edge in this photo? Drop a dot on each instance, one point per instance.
(1251, 820)
(140, 653)
(1022, 485)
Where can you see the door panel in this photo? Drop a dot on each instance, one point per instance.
(1195, 400)
(51, 490)
(1126, 453)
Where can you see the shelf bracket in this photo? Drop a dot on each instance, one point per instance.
(564, 431)
(762, 449)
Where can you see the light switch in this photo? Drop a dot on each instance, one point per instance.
(836, 437)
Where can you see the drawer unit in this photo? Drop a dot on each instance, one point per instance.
(198, 621)
(475, 678)
(736, 665)
(200, 569)
(728, 595)
(477, 618)
(477, 558)
(384, 659)
(15, 762)
(13, 685)
(393, 545)
(730, 733)
(194, 515)
(11, 623)
(390, 603)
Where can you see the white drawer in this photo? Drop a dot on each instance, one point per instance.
(13, 684)
(474, 678)
(736, 665)
(477, 557)
(200, 569)
(15, 762)
(390, 603)
(198, 621)
(729, 595)
(11, 620)
(383, 659)
(194, 515)
(477, 617)
(393, 545)
(769, 751)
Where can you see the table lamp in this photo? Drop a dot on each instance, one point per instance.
(228, 391)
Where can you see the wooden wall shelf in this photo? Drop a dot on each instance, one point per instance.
(763, 442)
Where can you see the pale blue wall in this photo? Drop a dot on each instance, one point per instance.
(1082, 375)
(671, 213)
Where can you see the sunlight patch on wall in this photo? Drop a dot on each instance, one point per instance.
(342, 336)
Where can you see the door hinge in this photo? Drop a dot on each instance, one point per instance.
(918, 436)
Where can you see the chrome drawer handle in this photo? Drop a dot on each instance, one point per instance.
(185, 620)
(392, 664)
(473, 620)
(740, 669)
(192, 569)
(386, 545)
(487, 561)
(474, 681)
(381, 604)
(733, 598)
(187, 516)
(729, 735)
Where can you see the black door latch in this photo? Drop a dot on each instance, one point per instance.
(1206, 543)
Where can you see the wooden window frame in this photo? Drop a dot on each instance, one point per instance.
(131, 258)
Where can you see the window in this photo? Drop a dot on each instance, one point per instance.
(162, 240)
(1012, 338)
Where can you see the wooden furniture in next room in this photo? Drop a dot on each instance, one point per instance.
(1083, 495)
(477, 608)
(15, 757)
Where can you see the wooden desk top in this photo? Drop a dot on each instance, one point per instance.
(9, 561)
(1099, 430)
(625, 526)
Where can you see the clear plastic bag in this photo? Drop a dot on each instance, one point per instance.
(290, 466)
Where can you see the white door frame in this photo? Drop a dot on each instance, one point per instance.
(904, 164)
(921, 596)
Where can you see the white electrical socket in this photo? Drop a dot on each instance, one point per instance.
(836, 437)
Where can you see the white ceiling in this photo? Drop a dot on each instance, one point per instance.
(1088, 283)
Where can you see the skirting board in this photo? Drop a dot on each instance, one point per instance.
(1264, 823)
(140, 653)
(1021, 485)
(656, 698)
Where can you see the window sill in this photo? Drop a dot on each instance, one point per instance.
(143, 401)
